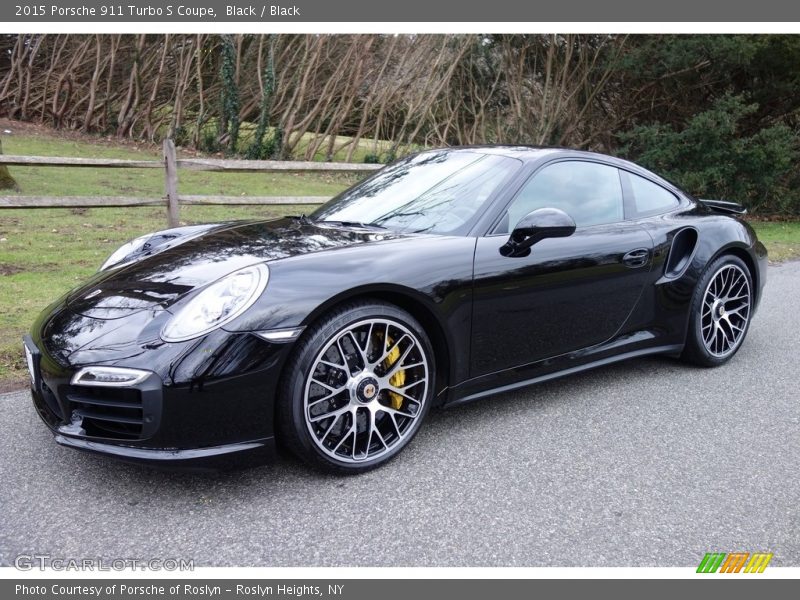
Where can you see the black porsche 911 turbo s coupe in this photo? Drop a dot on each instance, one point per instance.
(445, 277)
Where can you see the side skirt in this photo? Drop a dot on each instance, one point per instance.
(669, 349)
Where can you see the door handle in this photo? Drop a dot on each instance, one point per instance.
(636, 258)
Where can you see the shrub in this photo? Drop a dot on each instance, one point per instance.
(714, 157)
(372, 159)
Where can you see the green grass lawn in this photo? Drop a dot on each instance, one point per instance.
(782, 238)
(45, 252)
(57, 181)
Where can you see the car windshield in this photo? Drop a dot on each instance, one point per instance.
(433, 192)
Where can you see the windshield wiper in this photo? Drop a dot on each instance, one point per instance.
(358, 224)
(304, 218)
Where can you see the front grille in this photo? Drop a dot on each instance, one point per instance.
(94, 411)
(106, 411)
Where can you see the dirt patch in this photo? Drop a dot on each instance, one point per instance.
(6, 269)
(42, 130)
(45, 267)
(15, 384)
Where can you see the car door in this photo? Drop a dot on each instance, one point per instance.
(568, 293)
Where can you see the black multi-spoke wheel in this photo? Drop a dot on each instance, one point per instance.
(357, 388)
(721, 310)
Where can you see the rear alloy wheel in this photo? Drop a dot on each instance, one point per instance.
(721, 311)
(360, 386)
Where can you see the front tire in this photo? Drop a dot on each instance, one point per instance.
(721, 308)
(357, 388)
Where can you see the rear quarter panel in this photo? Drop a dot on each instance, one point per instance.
(666, 302)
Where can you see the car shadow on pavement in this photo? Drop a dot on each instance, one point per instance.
(443, 433)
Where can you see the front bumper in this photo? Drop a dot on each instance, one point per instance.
(229, 456)
(219, 418)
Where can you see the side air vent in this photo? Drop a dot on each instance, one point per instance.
(680, 253)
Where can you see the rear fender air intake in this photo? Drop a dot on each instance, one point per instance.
(684, 244)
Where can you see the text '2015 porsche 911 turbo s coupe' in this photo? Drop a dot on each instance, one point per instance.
(445, 277)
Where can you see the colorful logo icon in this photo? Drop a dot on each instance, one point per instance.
(734, 562)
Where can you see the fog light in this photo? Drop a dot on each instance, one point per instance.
(109, 376)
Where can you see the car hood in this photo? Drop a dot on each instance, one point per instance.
(160, 280)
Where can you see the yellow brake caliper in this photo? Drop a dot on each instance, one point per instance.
(398, 379)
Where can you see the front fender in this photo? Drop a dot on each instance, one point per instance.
(429, 277)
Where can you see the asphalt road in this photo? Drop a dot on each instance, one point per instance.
(645, 463)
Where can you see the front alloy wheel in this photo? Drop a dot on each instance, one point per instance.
(360, 387)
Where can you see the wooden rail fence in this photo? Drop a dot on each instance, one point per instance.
(171, 165)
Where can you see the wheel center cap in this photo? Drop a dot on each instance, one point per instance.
(367, 390)
(718, 310)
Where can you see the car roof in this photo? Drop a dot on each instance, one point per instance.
(520, 152)
(534, 154)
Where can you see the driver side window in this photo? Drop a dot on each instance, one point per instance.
(590, 193)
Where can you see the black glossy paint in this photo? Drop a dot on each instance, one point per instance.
(569, 293)
(497, 319)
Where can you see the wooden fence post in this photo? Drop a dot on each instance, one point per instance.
(171, 183)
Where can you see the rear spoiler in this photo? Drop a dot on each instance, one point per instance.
(724, 207)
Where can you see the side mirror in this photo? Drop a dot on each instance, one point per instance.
(537, 225)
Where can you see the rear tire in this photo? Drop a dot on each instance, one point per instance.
(357, 388)
(721, 309)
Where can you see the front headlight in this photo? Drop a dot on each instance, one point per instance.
(124, 250)
(217, 304)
